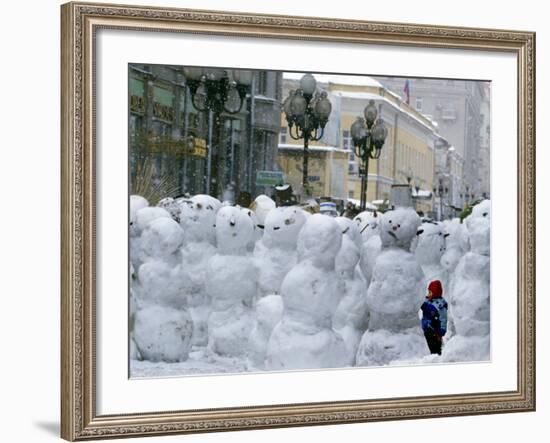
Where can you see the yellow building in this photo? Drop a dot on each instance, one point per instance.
(408, 153)
(327, 169)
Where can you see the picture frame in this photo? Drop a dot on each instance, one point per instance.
(81, 22)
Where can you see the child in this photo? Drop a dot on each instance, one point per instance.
(434, 317)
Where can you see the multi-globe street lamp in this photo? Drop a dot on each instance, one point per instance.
(307, 112)
(368, 135)
(216, 91)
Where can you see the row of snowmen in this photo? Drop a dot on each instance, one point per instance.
(280, 288)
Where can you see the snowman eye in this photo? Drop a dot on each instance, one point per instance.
(390, 222)
(485, 214)
(199, 206)
(210, 207)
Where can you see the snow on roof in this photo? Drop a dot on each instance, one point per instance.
(372, 96)
(359, 80)
(312, 148)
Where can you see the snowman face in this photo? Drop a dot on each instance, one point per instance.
(197, 217)
(454, 233)
(429, 244)
(367, 223)
(349, 229)
(234, 229)
(398, 227)
(283, 224)
(482, 209)
(171, 206)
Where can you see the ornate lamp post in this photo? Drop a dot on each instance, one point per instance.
(368, 135)
(307, 112)
(215, 91)
(440, 192)
(218, 90)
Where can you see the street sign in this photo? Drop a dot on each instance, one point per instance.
(269, 178)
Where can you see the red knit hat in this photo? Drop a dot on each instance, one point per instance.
(435, 288)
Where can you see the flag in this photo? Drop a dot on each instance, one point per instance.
(407, 91)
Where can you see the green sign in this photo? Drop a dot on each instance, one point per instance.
(269, 178)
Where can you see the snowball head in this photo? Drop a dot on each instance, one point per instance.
(261, 206)
(455, 234)
(146, 215)
(482, 209)
(479, 233)
(137, 202)
(398, 227)
(282, 226)
(198, 216)
(234, 229)
(350, 230)
(163, 333)
(429, 244)
(172, 206)
(320, 240)
(161, 238)
(368, 223)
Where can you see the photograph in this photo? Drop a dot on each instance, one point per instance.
(282, 220)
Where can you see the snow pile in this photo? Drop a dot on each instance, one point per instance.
(470, 296)
(304, 337)
(395, 294)
(231, 284)
(275, 253)
(368, 225)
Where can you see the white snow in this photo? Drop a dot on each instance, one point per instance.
(213, 292)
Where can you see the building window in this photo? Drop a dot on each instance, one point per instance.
(351, 194)
(346, 139)
(282, 136)
(418, 104)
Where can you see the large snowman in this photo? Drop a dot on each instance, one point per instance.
(231, 284)
(197, 218)
(456, 245)
(275, 253)
(304, 338)
(428, 248)
(394, 296)
(351, 316)
(162, 326)
(368, 225)
(470, 297)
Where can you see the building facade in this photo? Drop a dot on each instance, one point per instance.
(408, 153)
(461, 109)
(191, 151)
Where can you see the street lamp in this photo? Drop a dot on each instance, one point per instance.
(307, 112)
(216, 89)
(368, 135)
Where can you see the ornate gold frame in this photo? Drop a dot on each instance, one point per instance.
(80, 21)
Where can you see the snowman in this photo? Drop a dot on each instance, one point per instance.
(172, 206)
(367, 223)
(428, 247)
(197, 218)
(304, 338)
(351, 316)
(469, 301)
(269, 311)
(140, 216)
(231, 284)
(162, 324)
(275, 253)
(394, 295)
